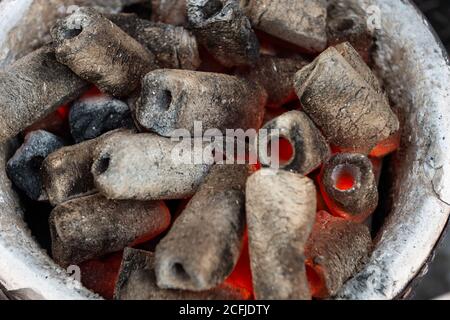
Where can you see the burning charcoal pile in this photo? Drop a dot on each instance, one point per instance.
(97, 110)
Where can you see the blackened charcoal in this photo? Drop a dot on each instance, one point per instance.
(93, 117)
(24, 167)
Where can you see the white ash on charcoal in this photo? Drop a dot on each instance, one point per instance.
(66, 173)
(90, 118)
(176, 99)
(349, 186)
(146, 167)
(276, 76)
(309, 146)
(100, 52)
(300, 22)
(170, 11)
(173, 47)
(225, 32)
(204, 244)
(93, 226)
(347, 21)
(24, 168)
(335, 251)
(32, 88)
(137, 281)
(281, 210)
(341, 98)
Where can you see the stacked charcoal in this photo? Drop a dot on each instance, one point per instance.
(125, 84)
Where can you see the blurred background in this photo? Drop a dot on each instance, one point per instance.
(437, 280)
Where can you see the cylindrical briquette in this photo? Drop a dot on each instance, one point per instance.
(281, 210)
(148, 167)
(176, 99)
(335, 251)
(93, 226)
(224, 30)
(204, 244)
(32, 88)
(100, 52)
(309, 146)
(137, 281)
(342, 99)
(173, 47)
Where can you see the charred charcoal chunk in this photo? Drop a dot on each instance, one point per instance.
(281, 209)
(309, 147)
(349, 186)
(173, 47)
(224, 30)
(100, 52)
(301, 22)
(93, 226)
(24, 167)
(32, 88)
(169, 11)
(336, 250)
(145, 167)
(176, 99)
(137, 281)
(90, 118)
(342, 96)
(203, 247)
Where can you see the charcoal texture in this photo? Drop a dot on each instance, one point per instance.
(204, 244)
(176, 99)
(93, 226)
(146, 167)
(309, 146)
(84, 42)
(224, 30)
(342, 96)
(169, 11)
(276, 76)
(281, 209)
(137, 281)
(301, 22)
(32, 88)
(336, 250)
(173, 47)
(90, 118)
(24, 167)
(361, 200)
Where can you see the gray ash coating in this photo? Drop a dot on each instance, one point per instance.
(224, 30)
(24, 167)
(90, 118)
(204, 244)
(137, 281)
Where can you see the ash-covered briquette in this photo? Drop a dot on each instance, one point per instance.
(24, 168)
(300, 22)
(174, 47)
(342, 98)
(347, 21)
(276, 76)
(100, 52)
(137, 281)
(204, 244)
(93, 226)
(281, 210)
(335, 251)
(176, 99)
(225, 32)
(349, 186)
(92, 117)
(32, 88)
(309, 146)
(66, 173)
(148, 167)
(170, 11)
